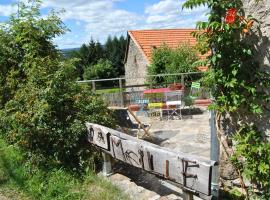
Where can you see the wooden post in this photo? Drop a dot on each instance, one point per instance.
(121, 93)
(192, 172)
(187, 195)
(107, 166)
(93, 86)
(139, 122)
(182, 79)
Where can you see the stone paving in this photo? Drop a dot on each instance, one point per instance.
(189, 135)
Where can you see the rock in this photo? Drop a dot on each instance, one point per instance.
(173, 197)
(237, 182)
(163, 198)
(227, 170)
(118, 177)
(139, 189)
(156, 197)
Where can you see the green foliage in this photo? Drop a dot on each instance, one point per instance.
(91, 54)
(36, 184)
(170, 61)
(102, 70)
(231, 194)
(256, 151)
(44, 110)
(18, 180)
(22, 39)
(88, 55)
(160, 59)
(115, 52)
(239, 85)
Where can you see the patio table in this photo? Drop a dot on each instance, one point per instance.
(157, 90)
(170, 98)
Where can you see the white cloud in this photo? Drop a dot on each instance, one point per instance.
(6, 10)
(100, 18)
(164, 7)
(169, 14)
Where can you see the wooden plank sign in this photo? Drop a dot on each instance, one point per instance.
(192, 172)
(99, 135)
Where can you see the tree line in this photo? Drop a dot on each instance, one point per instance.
(97, 61)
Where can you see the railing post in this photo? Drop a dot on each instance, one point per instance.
(187, 195)
(121, 93)
(182, 79)
(93, 86)
(214, 155)
(107, 166)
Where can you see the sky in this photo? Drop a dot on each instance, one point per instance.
(98, 19)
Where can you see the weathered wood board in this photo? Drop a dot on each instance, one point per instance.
(192, 172)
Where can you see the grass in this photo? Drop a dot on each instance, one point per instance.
(108, 91)
(19, 183)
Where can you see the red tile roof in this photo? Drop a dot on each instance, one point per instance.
(147, 39)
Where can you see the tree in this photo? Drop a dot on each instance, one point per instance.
(169, 61)
(45, 110)
(22, 42)
(240, 88)
(115, 52)
(88, 55)
(102, 70)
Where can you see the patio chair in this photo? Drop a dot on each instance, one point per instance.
(126, 125)
(174, 109)
(174, 103)
(143, 106)
(195, 91)
(155, 109)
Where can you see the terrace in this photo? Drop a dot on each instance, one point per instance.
(181, 128)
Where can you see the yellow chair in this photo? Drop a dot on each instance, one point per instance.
(155, 105)
(155, 109)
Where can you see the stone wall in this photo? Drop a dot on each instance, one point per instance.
(136, 65)
(260, 10)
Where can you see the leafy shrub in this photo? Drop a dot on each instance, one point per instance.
(169, 61)
(252, 156)
(240, 87)
(51, 121)
(46, 110)
(102, 70)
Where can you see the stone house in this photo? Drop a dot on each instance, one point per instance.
(140, 46)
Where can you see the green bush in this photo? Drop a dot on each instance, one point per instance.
(50, 121)
(102, 70)
(252, 157)
(45, 110)
(170, 61)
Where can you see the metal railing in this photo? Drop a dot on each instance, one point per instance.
(124, 95)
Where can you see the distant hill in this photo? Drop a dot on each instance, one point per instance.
(66, 52)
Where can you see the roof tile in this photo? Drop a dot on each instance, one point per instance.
(147, 39)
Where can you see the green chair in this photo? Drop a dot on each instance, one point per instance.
(194, 93)
(195, 90)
